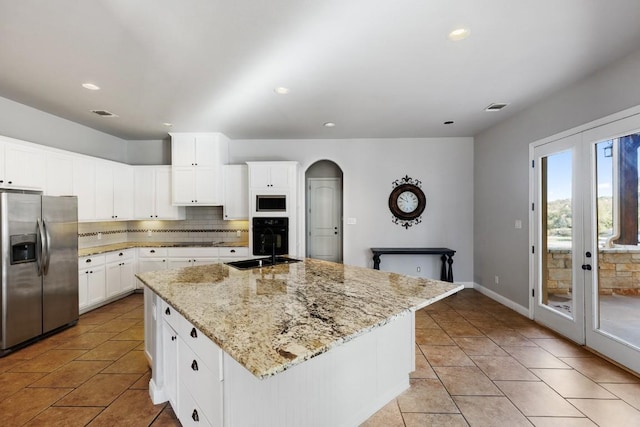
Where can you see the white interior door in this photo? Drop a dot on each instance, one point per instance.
(558, 243)
(324, 219)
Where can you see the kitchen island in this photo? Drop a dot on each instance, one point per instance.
(308, 343)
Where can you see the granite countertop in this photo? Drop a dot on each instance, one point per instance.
(269, 319)
(129, 245)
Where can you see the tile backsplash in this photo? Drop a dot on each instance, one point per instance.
(203, 224)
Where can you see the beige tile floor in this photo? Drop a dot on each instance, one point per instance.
(477, 363)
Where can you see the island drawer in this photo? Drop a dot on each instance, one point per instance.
(171, 316)
(200, 344)
(202, 383)
(189, 413)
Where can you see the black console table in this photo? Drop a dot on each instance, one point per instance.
(446, 272)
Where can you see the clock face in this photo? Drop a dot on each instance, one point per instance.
(407, 201)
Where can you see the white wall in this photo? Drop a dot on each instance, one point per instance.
(501, 166)
(28, 124)
(149, 152)
(445, 166)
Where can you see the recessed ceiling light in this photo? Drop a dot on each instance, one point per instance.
(448, 122)
(281, 90)
(496, 106)
(167, 124)
(459, 34)
(329, 124)
(90, 86)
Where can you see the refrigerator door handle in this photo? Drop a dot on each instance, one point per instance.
(47, 249)
(40, 248)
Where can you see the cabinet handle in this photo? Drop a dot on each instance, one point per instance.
(194, 416)
(167, 312)
(233, 251)
(194, 365)
(152, 251)
(89, 260)
(1, 181)
(194, 333)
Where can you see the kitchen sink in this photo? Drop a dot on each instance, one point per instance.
(247, 264)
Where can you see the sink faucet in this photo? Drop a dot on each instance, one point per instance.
(273, 244)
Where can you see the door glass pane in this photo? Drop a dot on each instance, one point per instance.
(557, 233)
(618, 278)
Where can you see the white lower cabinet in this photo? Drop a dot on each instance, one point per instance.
(120, 272)
(170, 353)
(192, 371)
(91, 281)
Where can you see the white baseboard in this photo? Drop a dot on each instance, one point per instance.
(502, 300)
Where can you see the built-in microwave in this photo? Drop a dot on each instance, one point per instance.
(271, 203)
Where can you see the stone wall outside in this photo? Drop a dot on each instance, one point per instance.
(619, 271)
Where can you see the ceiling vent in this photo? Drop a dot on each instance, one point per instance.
(496, 106)
(104, 113)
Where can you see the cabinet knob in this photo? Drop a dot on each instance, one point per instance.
(152, 251)
(10, 182)
(150, 216)
(1, 181)
(233, 251)
(120, 254)
(194, 365)
(167, 312)
(173, 338)
(194, 333)
(88, 260)
(194, 415)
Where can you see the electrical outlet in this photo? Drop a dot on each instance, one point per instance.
(497, 280)
(99, 236)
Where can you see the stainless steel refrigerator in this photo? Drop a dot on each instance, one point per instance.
(39, 266)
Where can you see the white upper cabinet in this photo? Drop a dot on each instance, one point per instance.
(59, 175)
(23, 166)
(114, 187)
(104, 189)
(152, 194)
(84, 186)
(196, 160)
(236, 192)
(272, 175)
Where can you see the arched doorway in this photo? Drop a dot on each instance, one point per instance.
(323, 188)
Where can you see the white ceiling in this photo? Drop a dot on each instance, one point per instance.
(377, 68)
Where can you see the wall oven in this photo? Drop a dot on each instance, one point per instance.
(270, 234)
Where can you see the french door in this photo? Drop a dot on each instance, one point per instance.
(586, 268)
(560, 246)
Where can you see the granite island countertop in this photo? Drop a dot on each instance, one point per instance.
(272, 318)
(96, 250)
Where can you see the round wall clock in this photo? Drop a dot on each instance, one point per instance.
(407, 202)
